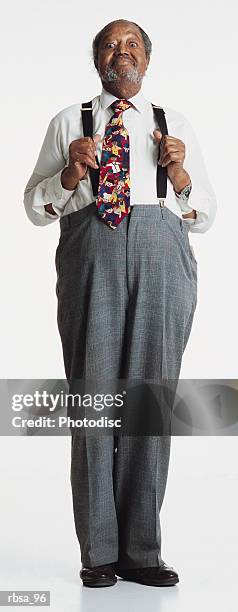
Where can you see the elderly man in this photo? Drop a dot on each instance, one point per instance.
(127, 181)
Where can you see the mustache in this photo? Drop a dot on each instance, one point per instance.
(121, 57)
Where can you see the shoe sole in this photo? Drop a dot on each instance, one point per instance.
(99, 583)
(168, 582)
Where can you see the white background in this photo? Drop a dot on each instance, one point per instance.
(47, 65)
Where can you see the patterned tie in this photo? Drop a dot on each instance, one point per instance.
(114, 180)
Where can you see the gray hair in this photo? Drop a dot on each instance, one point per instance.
(99, 36)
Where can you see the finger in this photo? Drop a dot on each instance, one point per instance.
(163, 143)
(174, 157)
(169, 150)
(173, 139)
(168, 143)
(96, 139)
(87, 143)
(90, 144)
(86, 159)
(85, 147)
(84, 140)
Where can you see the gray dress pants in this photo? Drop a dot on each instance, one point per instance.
(126, 302)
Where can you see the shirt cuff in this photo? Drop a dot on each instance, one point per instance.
(202, 202)
(55, 194)
(189, 221)
(183, 200)
(185, 205)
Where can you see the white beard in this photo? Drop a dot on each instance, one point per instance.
(130, 74)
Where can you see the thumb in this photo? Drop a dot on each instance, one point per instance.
(97, 138)
(157, 134)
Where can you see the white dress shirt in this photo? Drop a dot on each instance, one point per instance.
(44, 185)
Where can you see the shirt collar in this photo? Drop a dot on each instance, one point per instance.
(139, 100)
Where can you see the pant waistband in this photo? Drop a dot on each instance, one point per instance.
(73, 218)
(140, 210)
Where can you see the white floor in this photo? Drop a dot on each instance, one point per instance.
(39, 549)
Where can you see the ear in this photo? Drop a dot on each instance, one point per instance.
(147, 62)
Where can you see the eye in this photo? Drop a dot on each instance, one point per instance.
(109, 45)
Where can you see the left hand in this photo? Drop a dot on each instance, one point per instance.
(172, 155)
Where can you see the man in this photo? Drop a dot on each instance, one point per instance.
(126, 288)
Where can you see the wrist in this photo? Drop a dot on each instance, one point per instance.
(181, 181)
(69, 178)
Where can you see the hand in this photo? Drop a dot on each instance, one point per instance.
(191, 215)
(172, 155)
(82, 153)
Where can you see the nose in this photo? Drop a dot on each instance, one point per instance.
(121, 49)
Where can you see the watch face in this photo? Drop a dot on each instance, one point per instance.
(186, 191)
(184, 194)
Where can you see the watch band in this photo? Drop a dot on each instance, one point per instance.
(184, 194)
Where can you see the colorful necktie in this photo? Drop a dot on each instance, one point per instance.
(114, 180)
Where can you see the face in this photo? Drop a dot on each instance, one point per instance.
(122, 54)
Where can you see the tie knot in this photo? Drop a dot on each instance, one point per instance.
(121, 105)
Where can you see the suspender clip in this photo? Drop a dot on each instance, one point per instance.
(161, 203)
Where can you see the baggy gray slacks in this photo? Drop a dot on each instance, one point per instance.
(126, 302)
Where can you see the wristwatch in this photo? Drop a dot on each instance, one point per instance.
(184, 194)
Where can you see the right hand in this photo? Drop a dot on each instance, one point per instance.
(82, 153)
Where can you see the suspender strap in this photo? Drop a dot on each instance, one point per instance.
(87, 119)
(161, 177)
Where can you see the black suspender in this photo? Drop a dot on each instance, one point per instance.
(161, 178)
(87, 118)
(161, 175)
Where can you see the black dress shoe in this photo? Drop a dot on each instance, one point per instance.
(100, 576)
(162, 575)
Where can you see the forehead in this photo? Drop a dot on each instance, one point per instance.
(122, 29)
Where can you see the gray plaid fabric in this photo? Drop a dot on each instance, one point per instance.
(126, 301)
